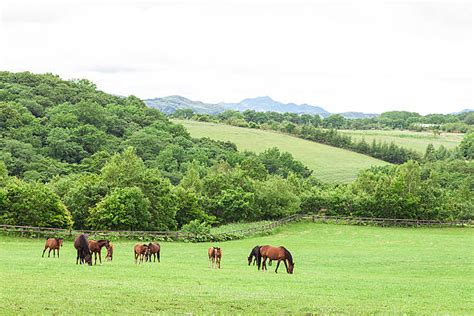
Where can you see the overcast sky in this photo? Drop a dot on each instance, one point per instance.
(369, 56)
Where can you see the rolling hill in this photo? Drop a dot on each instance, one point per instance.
(330, 164)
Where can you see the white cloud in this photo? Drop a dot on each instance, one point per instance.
(367, 56)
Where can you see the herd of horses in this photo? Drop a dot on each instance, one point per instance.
(144, 252)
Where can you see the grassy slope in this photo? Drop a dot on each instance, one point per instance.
(413, 140)
(338, 269)
(330, 164)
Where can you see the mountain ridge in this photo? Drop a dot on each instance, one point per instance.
(172, 103)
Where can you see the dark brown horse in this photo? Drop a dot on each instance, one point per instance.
(83, 251)
(154, 251)
(215, 255)
(276, 253)
(110, 252)
(96, 248)
(254, 256)
(53, 244)
(141, 252)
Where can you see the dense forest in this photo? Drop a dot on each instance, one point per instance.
(324, 131)
(74, 156)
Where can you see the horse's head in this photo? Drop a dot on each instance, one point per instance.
(290, 268)
(250, 259)
(88, 259)
(60, 242)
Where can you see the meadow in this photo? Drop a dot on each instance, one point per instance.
(338, 269)
(329, 164)
(414, 140)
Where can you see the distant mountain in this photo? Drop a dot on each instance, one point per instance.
(267, 104)
(463, 111)
(170, 104)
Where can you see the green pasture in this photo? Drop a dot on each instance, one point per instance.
(414, 140)
(330, 164)
(339, 269)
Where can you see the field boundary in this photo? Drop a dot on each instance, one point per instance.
(33, 231)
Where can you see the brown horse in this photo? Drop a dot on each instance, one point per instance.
(96, 248)
(276, 253)
(110, 252)
(215, 255)
(154, 251)
(141, 251)
(53, 244)
(83, 251)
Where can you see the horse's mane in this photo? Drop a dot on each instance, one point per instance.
(288, 255)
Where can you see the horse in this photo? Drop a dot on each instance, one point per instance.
(96, 248)
(154, 251)
(141, 251)
(53, 244)
(254, 255)
(215, 255)
(110, 252)
(83, 251)
(276, 253)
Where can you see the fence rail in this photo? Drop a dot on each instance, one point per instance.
(179, 235)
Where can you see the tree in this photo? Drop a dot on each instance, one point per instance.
(32, 204)
(125, 208)
(124, 170)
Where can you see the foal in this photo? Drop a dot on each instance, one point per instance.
(96, 248)
(215, 255)
(154, 251)
(141, 251)
(53, 244)
(110, 252)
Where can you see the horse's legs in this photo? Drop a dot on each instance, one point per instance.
(77, 258)
(54, 253)
(158, 255)
(44, 251)
(264, 264)
(49, 252)
(286, 266)
(136, 256)
(58, 253)
(278, 264)
(100, 256)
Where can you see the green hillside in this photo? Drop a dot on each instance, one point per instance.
(338, 269)
(329, 164)
(413, 140)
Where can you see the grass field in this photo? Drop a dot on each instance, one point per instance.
(339, 269)
(330, 164)
(413, 140)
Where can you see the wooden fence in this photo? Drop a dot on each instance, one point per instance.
(179, 235)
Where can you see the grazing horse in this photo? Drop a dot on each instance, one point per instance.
(53, 244)
(96, 248)
(110, 252)
(141, 251)
(276, 253)
(154, 251)
(254, 256)
(83, 251)
(215, 255)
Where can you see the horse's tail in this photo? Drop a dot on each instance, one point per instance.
(158, 254)
(288, 255)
